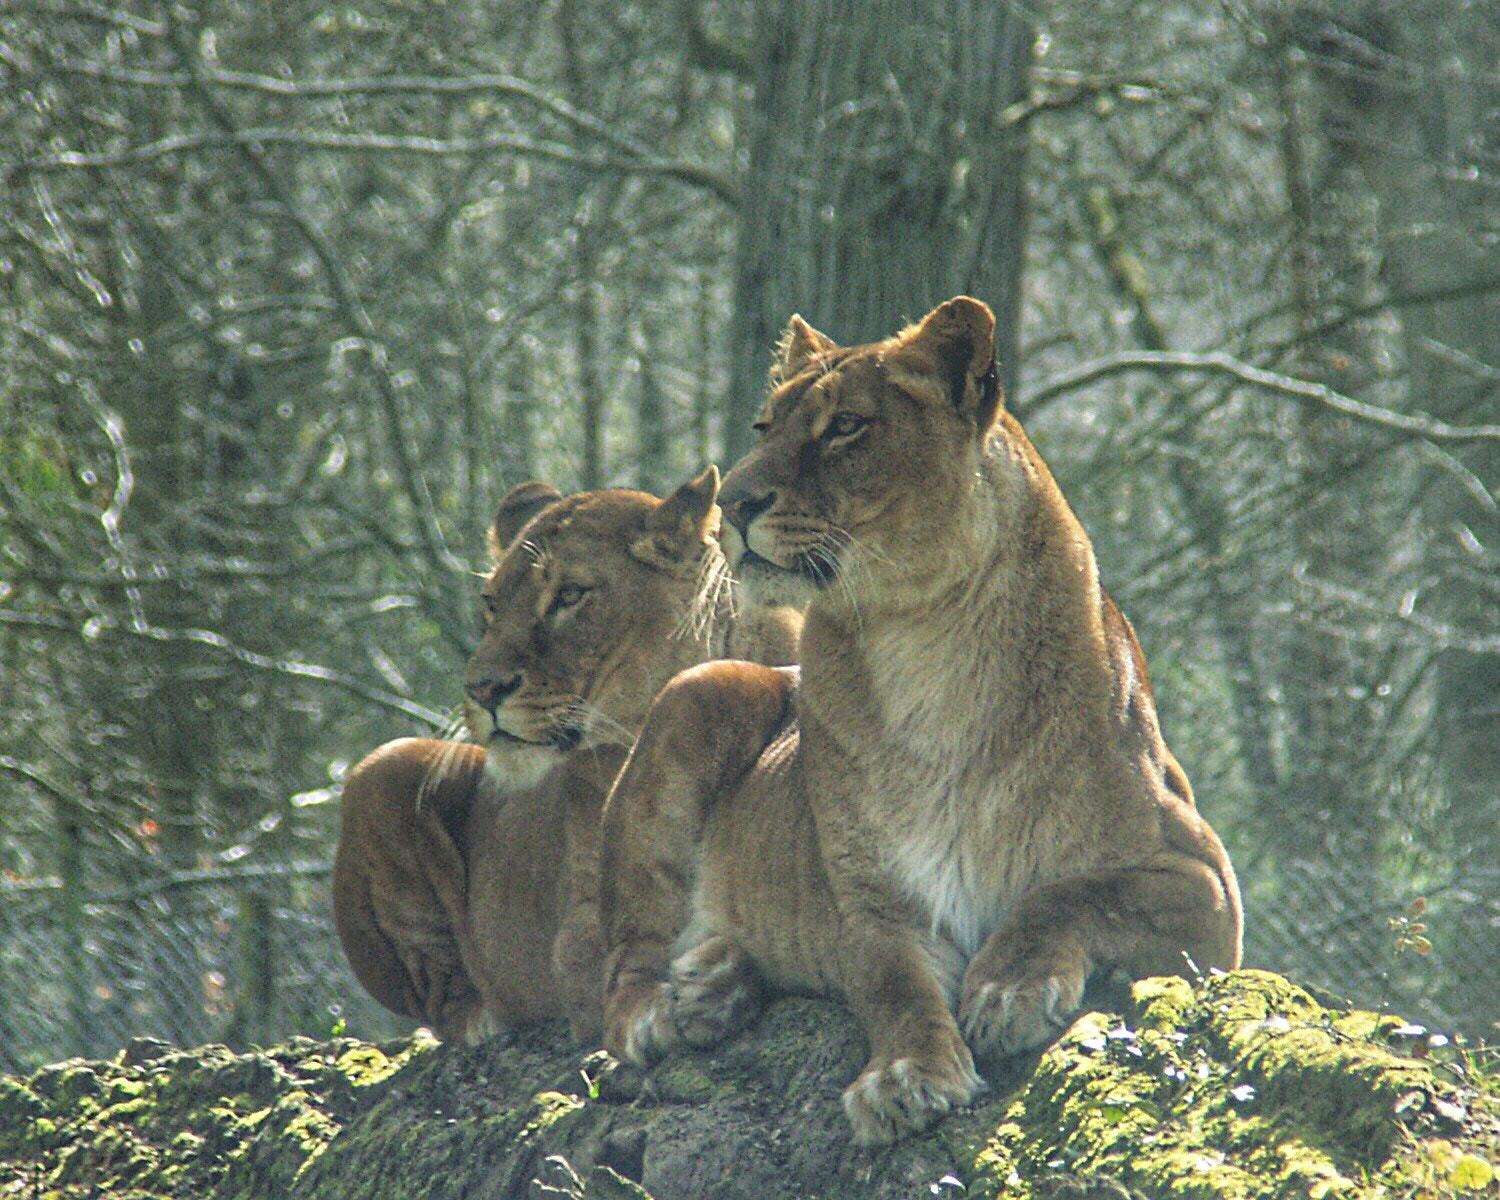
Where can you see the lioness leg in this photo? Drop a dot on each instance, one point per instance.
(399, 879)
(894, 978)
(1026, 983)
(704, 732)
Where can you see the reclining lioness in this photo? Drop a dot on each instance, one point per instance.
(465, 881)
(965, 808)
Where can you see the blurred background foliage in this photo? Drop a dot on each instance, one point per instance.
(292, 293)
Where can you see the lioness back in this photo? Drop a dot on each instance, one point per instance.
(976, 811)
(465, 881)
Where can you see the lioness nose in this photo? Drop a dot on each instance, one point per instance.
(488, 692)
(740, 510)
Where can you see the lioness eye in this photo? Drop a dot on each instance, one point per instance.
(568, 595)
(846, 424)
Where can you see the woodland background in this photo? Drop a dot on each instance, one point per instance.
(293, 292)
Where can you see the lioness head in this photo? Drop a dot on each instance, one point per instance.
(858, 448)
(594, 602)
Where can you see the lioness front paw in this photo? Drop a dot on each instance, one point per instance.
(898, 1096)
(1008, 1018)
(638, 1024)
(715, 992)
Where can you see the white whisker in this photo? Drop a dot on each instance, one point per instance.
(846, 568)
(846, 538)
(454, 734)
(709, 593)
(595, 721)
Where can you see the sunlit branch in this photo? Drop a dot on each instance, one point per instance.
(1059, 91)
(683, 172)
(177, 879)
(117, 18)
(36, 776)
(1217, 363)
(1434, 632)
(246, 657)
(632, 157)
(209, 875)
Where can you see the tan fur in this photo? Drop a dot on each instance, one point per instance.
(966, 807)
(465, 881)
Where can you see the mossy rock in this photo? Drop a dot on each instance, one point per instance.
(1242, 1087)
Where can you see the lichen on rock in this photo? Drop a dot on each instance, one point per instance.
(1243, 1086)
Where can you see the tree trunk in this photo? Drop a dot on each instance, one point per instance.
(882, 175)
(586, 317)
(653, 438)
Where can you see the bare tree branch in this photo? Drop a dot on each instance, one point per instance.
(250, 658)
(208, 875)
(1469, 481)
(40, 778)
(114, 17)
(1059, 91)
(632, 156)
(302, 670)
(353, 310)
(177, 879)
(1434, 632)
(683, 172)
(1218, 363)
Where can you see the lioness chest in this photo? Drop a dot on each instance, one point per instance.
(966, 791)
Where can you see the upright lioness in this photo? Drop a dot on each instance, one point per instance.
(465, 881)
(965, 808)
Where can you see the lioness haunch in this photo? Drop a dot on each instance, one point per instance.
(465, 883)
(965, 808)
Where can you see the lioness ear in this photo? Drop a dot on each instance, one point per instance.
(681, 525)
(521, 503)
(799, 344)
(959, 337)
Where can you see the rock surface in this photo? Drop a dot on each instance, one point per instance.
(1242, 1087)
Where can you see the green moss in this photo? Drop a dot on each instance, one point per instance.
(121, 1089)
(77, 1084)
(23, 1119)
(364, 1065)
(17, 1101)
(1245, 1087)
(1344, 1087)
(552, 1107)
(683, 1080)
(1166, 1003)
(128, 1110)
(41, 1130)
